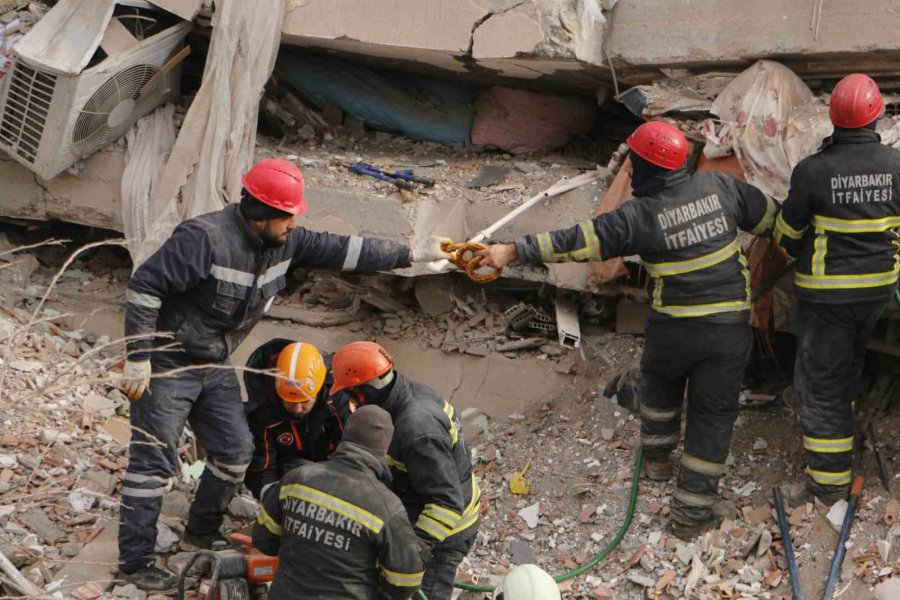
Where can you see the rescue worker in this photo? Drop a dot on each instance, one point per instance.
(685, 227)
(338, 531)
(292, 418)
(840, 220)
(208, 285)
(429, 459)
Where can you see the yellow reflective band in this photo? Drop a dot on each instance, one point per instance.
(855, 225)
(692, 498)
(818, 257)
(660, 416)
(264, 519)
(334, 504)
(473, 510)
(394, 463)
(828, 446)
(768, 219)
(657, 291)
(694, 264)
(545, 245)
(444, 515)
(454, 430)
(664, 439)
(782, 228)
(827, 478)
(589, 252)
(432, 527)
(402, 579)
(846, 282)
(701, 310)
(745, 271)
(704, 467)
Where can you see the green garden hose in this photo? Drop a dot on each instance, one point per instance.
(597, 558)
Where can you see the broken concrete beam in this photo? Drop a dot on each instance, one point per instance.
(94, 560)
(525, 344)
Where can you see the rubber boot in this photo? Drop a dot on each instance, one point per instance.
(800, 494)
(152, 578)
(687, 528)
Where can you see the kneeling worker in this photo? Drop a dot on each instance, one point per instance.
(685, 227)
(430, 461)
(292, 418)
(338, 531)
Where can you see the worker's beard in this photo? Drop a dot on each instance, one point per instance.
(270, 238)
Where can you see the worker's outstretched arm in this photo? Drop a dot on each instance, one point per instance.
(323, 250)
(755, 210)
(795, 215)
(401, 563)
(268, 527)
(606, 236)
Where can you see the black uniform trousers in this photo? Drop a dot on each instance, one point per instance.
(210, 399)
(710, 359)
(440, 568)
(831, 350)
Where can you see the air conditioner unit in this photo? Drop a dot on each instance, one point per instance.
(51, 117)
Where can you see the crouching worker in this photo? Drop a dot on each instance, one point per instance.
(338, 531)
(685, 228)
(429, 459)
(292, 418)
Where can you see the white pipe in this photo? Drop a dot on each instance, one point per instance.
(556, 189)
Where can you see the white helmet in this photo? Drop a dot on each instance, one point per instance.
(527, 582)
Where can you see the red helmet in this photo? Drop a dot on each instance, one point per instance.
(855, 102)
(357, 363)
(278, 183)
(660, 144)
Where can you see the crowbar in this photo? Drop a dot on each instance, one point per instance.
(841, 549)
(793, 571)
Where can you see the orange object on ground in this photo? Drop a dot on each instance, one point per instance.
(606, 271)
(261, 568)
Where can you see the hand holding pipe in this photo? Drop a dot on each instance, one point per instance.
(556, 189)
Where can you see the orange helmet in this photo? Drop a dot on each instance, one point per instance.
(357, 363)
(659, 143)
(301, 373)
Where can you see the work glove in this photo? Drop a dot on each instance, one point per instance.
(429, 249)
(135, 378)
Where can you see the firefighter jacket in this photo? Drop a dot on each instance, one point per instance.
(431, 464)
(841, 220)
(211, 282)
(339, 532)
(282, 441)
(685, 228)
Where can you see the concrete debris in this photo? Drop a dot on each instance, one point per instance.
(836, 514)
(243, 507)
(888, 589)
(531, 514)
(166, 539)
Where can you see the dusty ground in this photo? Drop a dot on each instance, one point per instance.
(53, 458)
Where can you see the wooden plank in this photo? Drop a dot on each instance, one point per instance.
(600, 273)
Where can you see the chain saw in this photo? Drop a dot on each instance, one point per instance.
(239, 573)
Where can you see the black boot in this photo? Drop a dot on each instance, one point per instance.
(191, 542)
(152, 578)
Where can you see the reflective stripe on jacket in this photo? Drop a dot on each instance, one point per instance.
(841, 220)
(685, 228)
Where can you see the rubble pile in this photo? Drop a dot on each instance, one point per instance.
(576, 452)
(63, 448)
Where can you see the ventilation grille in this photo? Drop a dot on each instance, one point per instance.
(27, 104)
(102, 119)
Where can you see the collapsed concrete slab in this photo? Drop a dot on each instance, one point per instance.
(548, 39)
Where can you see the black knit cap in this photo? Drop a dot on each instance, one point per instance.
(254, 209)
(372, 428)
